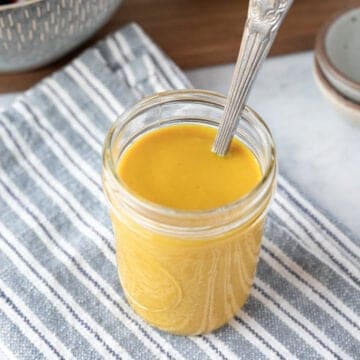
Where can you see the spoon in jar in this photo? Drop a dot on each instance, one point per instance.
(262, 24)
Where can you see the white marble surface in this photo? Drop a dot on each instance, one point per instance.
(318, 149)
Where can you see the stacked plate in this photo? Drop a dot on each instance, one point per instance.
(337, 61)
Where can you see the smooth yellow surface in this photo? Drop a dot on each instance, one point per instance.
(181, 284)
(174, 167)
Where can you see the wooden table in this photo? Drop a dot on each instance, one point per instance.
(200, 32)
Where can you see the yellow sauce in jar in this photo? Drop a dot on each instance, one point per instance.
(186, 285)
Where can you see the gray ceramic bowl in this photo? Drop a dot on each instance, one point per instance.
(337, 52)
(38, 32)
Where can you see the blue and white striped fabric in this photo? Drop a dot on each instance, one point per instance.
(59, 291)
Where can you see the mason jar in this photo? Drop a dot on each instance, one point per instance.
(186, 272)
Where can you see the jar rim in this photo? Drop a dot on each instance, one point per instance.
(198, 95)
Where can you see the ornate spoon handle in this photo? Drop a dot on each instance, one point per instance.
(262, 24)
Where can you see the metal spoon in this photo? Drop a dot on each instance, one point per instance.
(262, 24)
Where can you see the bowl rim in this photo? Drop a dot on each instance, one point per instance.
(18, 5)
(337, 96)
(321, 54)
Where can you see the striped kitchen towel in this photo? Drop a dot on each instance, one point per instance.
(60, 296)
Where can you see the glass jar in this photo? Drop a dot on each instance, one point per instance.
(186, 272)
